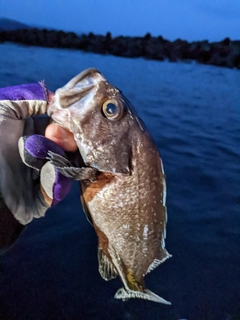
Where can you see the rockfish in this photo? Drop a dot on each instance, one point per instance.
(123, 184)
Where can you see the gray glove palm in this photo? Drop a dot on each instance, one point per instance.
(22, 197)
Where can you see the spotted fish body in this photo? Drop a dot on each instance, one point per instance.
(126, 199)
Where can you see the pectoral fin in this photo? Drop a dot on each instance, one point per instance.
(65, 167)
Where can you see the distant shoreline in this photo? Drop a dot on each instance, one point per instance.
(225, 53)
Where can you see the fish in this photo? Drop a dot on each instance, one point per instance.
(123, 193)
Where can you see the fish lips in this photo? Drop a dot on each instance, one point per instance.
(75, 90)
(62, 108)
(86, 77)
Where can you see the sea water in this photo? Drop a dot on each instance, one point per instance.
(193, 114)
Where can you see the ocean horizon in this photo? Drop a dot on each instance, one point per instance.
(193, 114)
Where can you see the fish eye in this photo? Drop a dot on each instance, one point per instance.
(112, 109)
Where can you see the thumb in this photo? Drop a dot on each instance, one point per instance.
(54, 185)
(63, 137)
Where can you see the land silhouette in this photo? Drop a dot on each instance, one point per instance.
(225, 53)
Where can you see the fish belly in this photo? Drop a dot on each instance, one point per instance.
(130, 212)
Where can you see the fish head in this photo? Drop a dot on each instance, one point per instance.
(100, 118)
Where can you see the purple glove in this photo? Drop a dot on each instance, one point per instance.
(23, 113)
(21, 197)
(34, 151)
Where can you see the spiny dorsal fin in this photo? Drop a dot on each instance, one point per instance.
(106, 268)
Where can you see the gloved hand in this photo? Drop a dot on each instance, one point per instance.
(26, 192)
(35, 152)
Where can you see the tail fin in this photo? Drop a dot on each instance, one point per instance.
(147, 295)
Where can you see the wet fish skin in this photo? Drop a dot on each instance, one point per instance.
(126, 201)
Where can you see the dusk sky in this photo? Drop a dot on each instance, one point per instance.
(191, 20)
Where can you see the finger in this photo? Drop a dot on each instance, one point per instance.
(35, 151)
(50, 96)
(54, 185)
(46, 197)
(61, 136)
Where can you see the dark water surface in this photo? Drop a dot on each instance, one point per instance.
(193, 113)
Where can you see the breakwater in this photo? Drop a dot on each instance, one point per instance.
(225, 53)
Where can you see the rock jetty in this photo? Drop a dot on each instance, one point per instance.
(225, 53)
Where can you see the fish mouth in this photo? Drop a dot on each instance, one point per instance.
(75, 90)
(79, 89)
(85, 79)
(61, 116)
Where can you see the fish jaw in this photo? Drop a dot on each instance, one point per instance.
(62, 116)
(70, 116)
(73, 100)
